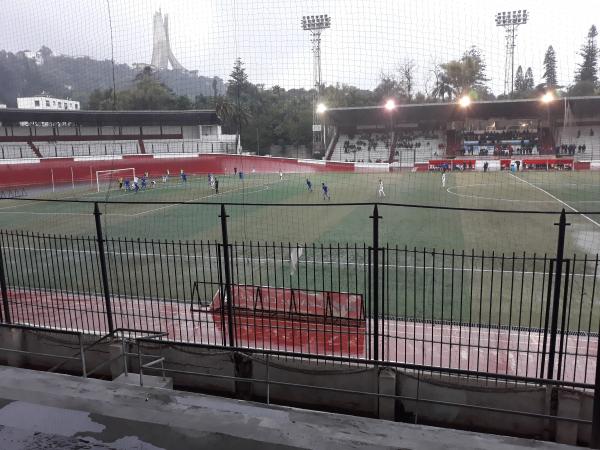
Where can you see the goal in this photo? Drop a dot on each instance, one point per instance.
(109, 179)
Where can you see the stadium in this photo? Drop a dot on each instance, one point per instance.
(449, 236)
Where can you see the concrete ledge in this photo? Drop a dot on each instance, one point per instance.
(62, 408)
(211, 371)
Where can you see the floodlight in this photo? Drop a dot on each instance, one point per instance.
(321, 108)
(390, 105)
(315, 23)
(464, 101)
(507, 18)
(547, 97)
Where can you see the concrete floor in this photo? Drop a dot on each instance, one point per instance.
(39, 410)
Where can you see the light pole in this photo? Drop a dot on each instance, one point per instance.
(510, 20)
(315, 26)
(390, 107)
(320, 110)
(546, 99)
(464, 102)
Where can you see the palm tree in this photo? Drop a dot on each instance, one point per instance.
(442, 87)
(234, 116)
(224, 108)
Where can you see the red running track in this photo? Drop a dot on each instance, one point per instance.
(512, 352)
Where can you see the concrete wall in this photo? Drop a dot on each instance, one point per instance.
(184, 360)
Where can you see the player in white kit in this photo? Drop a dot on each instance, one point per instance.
(380, 192)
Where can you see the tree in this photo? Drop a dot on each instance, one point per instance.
(550, 68)
(519, 80)
(464, 76)
(582, 88)
(588, 69)
(147, 93)
(238, 79)
(407, 77)
(100, 99)
(214, 89)
(442, 87)
(528, 82)
(388, 87)
(237, 91)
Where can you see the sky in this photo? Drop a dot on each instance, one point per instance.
(366, 38)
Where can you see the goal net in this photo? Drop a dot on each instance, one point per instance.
(109, 179)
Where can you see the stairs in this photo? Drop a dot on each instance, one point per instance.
(35, 149)
(332, 145)
(393, 148)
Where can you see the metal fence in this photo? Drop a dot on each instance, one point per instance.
(518, 314)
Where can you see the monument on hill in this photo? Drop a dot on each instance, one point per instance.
(162, 54)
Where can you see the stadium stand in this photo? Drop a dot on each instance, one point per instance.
(87, 148)
(507, 142)
(63, 134)
(13, 151)
(583, 141)
(417, 146)
(187, 146)
(364, 147)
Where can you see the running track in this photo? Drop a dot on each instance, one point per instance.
(513, 352)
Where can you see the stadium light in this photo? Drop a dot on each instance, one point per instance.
(320, 22)
(390, 105)
(510, 21)
(321, 108)
(518, 17)
(547, 97)
(315, 25)
(465, 101)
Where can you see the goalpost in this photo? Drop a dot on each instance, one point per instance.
(111, 177)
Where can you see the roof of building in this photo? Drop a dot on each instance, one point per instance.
(110, 118)
(448, 112)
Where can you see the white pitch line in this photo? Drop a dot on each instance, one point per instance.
(46, 213)
(264, 188)
(286, 260)
(556, 198)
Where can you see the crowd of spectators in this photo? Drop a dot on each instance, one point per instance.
(366, 142)
(569, 149)
(498, 137)
(501, 150)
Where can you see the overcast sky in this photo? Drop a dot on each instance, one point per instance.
(366, 37)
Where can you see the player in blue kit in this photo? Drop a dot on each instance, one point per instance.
(325, 190)
(309, 185)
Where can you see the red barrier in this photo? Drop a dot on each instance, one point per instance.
(66, 170)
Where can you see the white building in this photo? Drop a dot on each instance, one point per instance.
(35, 56)
(46, 102)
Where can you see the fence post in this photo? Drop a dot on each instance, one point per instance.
(103, 272)
(226, 261)
(375, 282)
(6, 316)
(595, 440)
(562, 225)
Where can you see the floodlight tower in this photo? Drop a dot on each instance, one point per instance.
(315, 26)
(510, 20)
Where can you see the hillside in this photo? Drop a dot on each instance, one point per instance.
(76, 77)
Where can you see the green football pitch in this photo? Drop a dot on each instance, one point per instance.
(327, 222)
(160, 248)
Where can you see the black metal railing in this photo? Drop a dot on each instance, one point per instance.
(512, 314)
